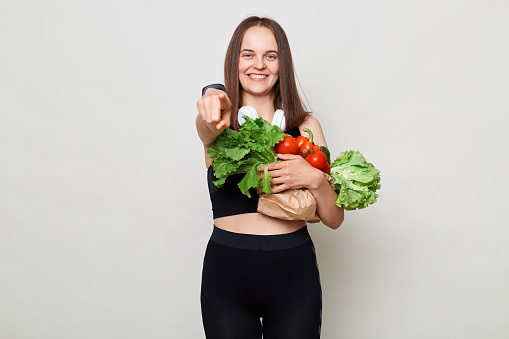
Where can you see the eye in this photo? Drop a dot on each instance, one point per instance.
(246, 55)
(272, 57)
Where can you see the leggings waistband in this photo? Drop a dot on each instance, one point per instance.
(260, 242)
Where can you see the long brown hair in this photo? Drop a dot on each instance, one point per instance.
(286, 95)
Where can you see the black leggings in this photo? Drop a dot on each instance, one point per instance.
(269, 277)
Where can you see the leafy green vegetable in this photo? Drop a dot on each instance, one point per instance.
(245, 151)
(357, 179)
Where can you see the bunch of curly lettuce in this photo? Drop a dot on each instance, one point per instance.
(356, 180)
(245, 151)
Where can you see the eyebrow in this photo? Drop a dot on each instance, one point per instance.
(250, 50)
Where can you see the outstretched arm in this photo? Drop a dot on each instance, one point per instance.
(213, 117)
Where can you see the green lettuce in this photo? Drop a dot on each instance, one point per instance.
(245, 151)
(356, 180)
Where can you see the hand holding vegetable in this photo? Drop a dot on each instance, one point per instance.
(294, 172)
(356, 180)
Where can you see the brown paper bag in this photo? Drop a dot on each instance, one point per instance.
(294, 204)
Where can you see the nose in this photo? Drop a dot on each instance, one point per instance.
(259, 63)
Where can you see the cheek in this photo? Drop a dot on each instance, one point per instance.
(242, 67)
(275, 69)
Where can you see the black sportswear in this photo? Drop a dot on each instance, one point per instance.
(216, 86)
(254, 284)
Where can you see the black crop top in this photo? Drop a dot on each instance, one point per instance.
(228, 200)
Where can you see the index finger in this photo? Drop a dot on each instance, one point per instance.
(215, 110)
(286, 156)
(224, 101)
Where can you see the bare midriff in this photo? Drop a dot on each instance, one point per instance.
(257, 223)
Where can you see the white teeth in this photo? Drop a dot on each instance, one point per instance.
(256, 76)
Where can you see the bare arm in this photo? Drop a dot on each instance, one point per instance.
(330, 214)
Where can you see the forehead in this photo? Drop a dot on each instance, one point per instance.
(259, 38)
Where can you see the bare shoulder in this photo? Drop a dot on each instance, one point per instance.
(314, 126)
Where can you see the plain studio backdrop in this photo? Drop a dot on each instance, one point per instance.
(104, 207)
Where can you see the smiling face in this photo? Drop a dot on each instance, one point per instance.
(258, 63)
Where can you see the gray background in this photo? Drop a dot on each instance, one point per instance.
(104, 209)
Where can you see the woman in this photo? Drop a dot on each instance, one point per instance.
(260, 273)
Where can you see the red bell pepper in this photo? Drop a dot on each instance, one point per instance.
(311, 152)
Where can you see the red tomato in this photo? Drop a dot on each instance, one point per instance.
(287, 146)
(300, 139)
(305, 147)
(317, 160)
(326, 169)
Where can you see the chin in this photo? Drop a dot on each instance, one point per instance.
(259, 91)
